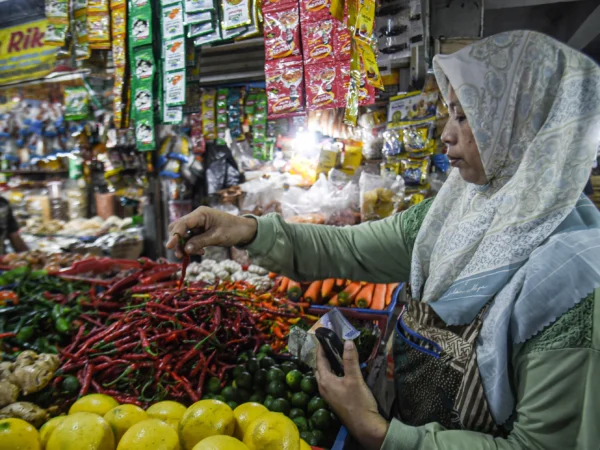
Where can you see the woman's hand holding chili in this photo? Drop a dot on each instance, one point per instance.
(350, 398)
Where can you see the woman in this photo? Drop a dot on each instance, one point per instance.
(498, 346)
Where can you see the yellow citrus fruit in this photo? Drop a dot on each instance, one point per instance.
(81, 431)
(272, 431)
(48, 428)
(220, 443)
(244, 415)
(167, 410)
(16, 434)
(204, 419)
(150, 434)
(173, 424)
(94, 403)
(123, 417)
(304, 445)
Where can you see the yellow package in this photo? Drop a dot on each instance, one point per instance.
(337, 9)
(97, 6)
(352, 157)
(370, 63)
(98, 26)
(415, 171)
(328, 158)
(352, 15)
(365, 19)
(351, 112)
(117, 4)
(119, 20)
(119, 51)
(57, 12)
(419, 141)
(55, 34)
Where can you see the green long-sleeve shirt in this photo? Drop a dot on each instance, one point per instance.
(557, 394)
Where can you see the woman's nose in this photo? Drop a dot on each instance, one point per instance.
(449, 138)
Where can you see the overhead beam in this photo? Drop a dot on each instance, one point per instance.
(587, 31)
(501, 4)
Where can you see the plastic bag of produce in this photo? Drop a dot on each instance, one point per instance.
(304, 344)
(341, 208)
(297, 202)
(380, 196)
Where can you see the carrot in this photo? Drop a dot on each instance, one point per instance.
(390, 292)
(272, 275)
(379, 300)
(283, 285)
(294, 291)
(313, 293)
(334, 301)
(347, 296)
(365, 296)
(327, 288)
(380, 294)
(340, 282)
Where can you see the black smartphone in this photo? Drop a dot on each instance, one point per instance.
(334, 349)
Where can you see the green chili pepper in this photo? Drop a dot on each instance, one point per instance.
(25, 333)
(62, 325)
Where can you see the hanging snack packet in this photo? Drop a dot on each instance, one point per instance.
(173, 115)
(365, 19)
(198, 6)
(172, 21)
(119, 20)
(415, 171)
(79, 7)
(201, 29)
(118, 88)
(234, 113)
(80, 28)
(282, 33)
(419, 141)
(208, 114)
(142, 97)
(174, 54)
(222, 119)
(55, 34)
(314, 10)
(233, 33)
(322, 91)
(318, 41)
(274, 5)
(144, 132)
(57, 12)
(209, 38)
(236, 13)
(97, 6)
(143, 63)
(351, 111)
(99, 31)
(370, 64)
(199, 17)
(77, 103)
(392, 143)
(342, 43)
(285, 86)
(140, 22)
(175, 88)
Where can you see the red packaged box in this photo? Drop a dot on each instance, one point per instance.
(315, 10)
(366, 92)
(342, 43)
(282, 33)
(285, 86)
(273, 5)
(322, 90)
(317, 41)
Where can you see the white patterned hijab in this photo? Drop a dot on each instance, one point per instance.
(534, 107)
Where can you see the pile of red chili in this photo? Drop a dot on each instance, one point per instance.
(161, 344)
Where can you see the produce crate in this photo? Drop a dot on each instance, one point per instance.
(86, 269)
(376, 312)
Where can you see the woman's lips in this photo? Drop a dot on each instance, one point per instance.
(455, 162)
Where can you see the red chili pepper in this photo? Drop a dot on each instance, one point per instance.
(124, 283)
(146, 344)
(163, 274)
(153, 287)
(7, 335)
(87, 378)
(186, 386)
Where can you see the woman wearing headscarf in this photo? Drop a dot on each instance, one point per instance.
(499, 345)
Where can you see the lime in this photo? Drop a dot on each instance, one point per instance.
(309, 385)
(314, 404)
(244, 380)
(213, 386)
(268, 402)
(294, 379)
(252, 365)
(265, 349)
(260, 377)
(275, 374)
(288, 366)
(306, 435)
(232, 405)
(296, 412)
(319, 436)
(280, 405)
(208, 397)
(300, 400)
(242, 358)
(243, 395)
(230, 393)
(260, 356)
(267, 362)
(256, 398)
(276, 389)
(301, 423)
(237, 370)
(321, 419)
(220, 398)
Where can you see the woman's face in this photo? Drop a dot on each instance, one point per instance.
(461, 147)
